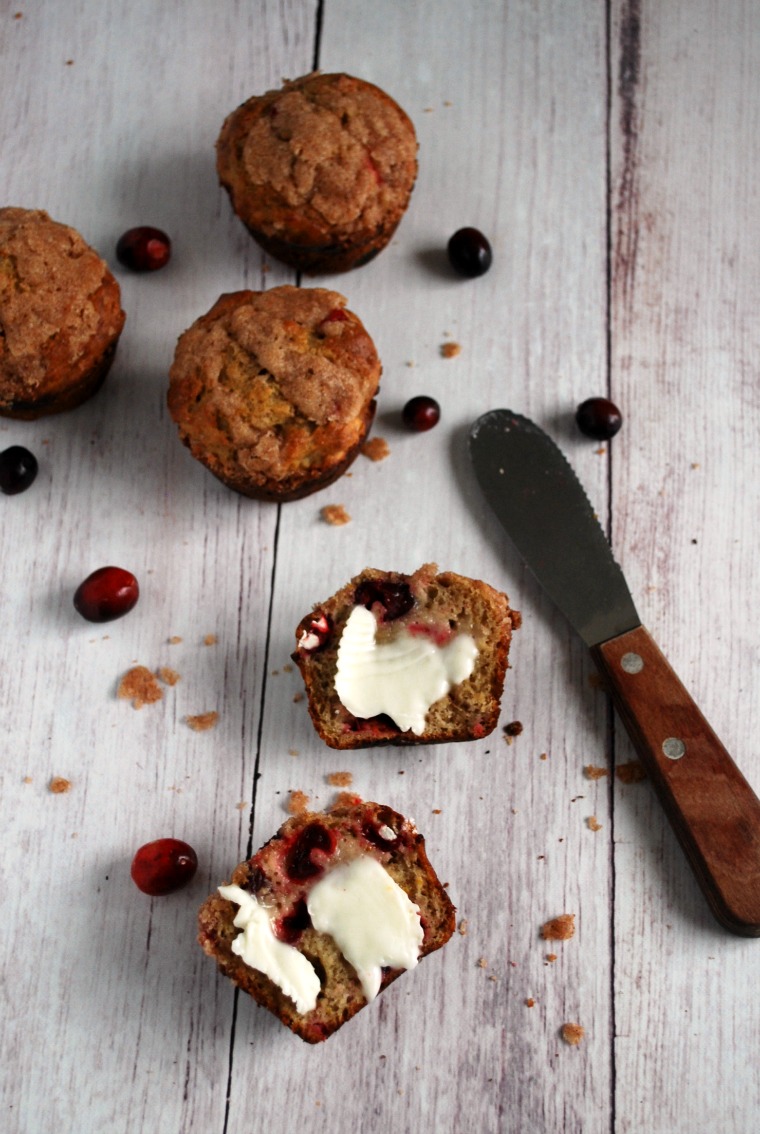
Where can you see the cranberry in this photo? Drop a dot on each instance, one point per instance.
(598, 418)
(315, 634)
(144, 249)
(163, 866)
(18, 468)
(469, 253)
(292, 925)
(395, 598)
(298, 863)
(421, 413)
(107, 593)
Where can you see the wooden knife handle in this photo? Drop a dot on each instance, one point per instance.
(711, 807)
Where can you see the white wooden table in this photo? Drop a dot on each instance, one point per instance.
(611, 152)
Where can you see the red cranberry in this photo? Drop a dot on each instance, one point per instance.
(421, 413)
(163, 866)
(315, 634)
(598, 418)
(18, 468)
(144, 249)
(292, 925)
(395, 598)
(107, 593)
(469, 252)
(298, 862)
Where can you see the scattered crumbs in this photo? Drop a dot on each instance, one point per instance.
(175, 640)
(287, 668)
(242, 805)
(695, 464)
(593, 824)
(297, 697)
(514, 728)
(275, 673)
(335, 514)
(594, 772)
(572, 1034)
(293, 752)
(447, 102)
(69, 62)
(543, 756)
(516, 619)
(436, 811)
(376, 448)
(482, 963)
(209, 640)
(27, 780)
(513, 810)
(559, 928)
(693, 541)
(530, 1002)
(600, 451)
(596, 681)
(630, 773)
(340, 779)
(401, 771)
(347, 799)
(462, 927)
(540, 856)
(168, 676)
(298, 802)
(58, 785)
(491, 976)
(450, 350)
(410, 363)
(202, 722)
(74, 834)
(18, 15)
(551, 958)
(139, 686)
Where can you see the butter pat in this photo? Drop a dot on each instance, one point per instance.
(370, 918)
(401, 678)
(259, 948)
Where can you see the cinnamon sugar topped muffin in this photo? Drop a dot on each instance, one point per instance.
(274, 391)
(60, 315)
(321, 171)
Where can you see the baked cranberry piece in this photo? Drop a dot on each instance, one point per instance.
(144, 249)
(292, 925)
(299, 866)
(18, 469)
(316, 634)
(469, 252)
(106, 594)
(395, 598)
(598, 418)
(163, 866)
(421, 413)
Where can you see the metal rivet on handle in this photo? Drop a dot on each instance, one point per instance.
(673, 748)
(632, 663)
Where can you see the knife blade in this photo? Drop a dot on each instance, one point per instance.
(545, 511)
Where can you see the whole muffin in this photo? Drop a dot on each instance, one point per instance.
(274, 391)
(60, 316)
(321, 171)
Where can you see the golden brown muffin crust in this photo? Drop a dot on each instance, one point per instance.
(60, 310)
(274, 386)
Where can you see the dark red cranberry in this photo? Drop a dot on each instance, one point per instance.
(292, 925)
(315, 634)
(469, 252)
(144, 249)
(107, 593)
(298, 862)
(395, 598)
(256, 880)
(598, 418)
(18, 469)
(421, 413)
(163, 866)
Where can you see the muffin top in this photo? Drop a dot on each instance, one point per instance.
(56, 296)
(326, 153)
(273, 384)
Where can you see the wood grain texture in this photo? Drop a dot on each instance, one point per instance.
(612, 158)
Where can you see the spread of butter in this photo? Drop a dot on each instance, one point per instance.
(259, 948)
(368, 915)
(370, 918)
(401, 678)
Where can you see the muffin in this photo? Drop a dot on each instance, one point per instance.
(300, 901)
(321, 171)
(406, 659)
(60, 316)
(274, 391)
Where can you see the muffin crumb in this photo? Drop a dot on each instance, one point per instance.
(593, 824)
(462, 927)
(139, 686)
(340, 779)
(210, 640)
(58, 785)
(594, 772)
(335, 514)
(376, 448)
(202, 722)
(168, 676)
(450, 350)
(572, 1034)
(298, 802)
(630, 773)
(560, 928)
